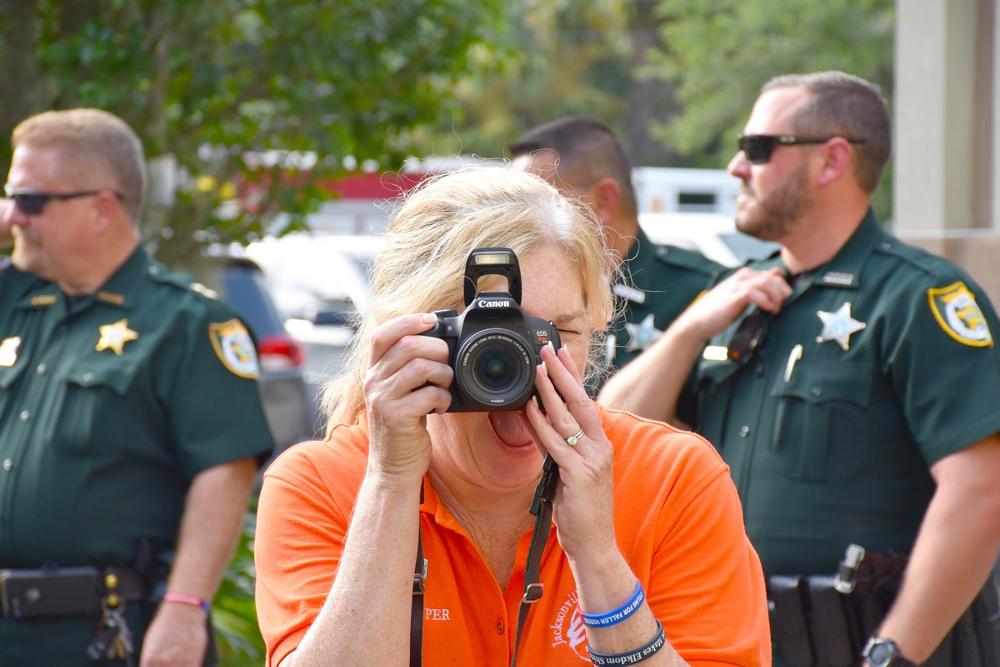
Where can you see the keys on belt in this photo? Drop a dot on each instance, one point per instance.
(114, 638)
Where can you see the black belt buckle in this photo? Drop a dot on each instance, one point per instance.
(50, 592)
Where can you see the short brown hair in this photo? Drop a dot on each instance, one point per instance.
(86, 136)
(844, 105)
(587, 150)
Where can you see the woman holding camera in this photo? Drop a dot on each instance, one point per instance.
(648, 559)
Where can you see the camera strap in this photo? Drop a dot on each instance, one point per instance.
(541, 507)
(417, 608)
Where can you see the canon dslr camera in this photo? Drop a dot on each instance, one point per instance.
(492, 347)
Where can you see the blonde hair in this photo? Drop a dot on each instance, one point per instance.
(91, 141)
(421, 267)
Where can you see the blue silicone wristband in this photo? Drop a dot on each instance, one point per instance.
(616, 616)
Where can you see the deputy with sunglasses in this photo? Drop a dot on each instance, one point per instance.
(584, 159)
(851, 383)
(130, 420)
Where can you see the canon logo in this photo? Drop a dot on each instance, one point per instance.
(483, 303)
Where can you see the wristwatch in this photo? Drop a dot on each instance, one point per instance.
(882, 652)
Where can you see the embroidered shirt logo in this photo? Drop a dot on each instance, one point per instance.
(568, 628)
(956, 311)
(234, 347)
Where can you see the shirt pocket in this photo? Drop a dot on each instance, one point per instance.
(821, 421)
(88, 407)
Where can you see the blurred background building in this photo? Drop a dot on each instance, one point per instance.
(946, 186)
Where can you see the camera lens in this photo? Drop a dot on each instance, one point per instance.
(496, 369)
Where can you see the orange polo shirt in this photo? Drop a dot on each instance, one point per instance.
(677, 519)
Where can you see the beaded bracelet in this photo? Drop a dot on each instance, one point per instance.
(616, 616)
(192, 600)
(632, 657)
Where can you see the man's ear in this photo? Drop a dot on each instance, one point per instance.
(837, 156)
(604, 197)
(108, 207)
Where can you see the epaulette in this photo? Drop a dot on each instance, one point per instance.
(924, 261)
(159, 273)
(688, 259)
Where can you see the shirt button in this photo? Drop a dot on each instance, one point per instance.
(816, 391)
(744, 431)
(40, 369)
(88, 377)
(500, 627)
(8, 465)
(24, 416)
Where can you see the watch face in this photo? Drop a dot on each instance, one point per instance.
(880, 655)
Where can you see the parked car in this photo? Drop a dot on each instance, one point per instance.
(320, 283)
(288, 402)
(712, 234)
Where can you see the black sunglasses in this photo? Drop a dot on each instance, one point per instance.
(33, 203)
(758, 148)
(748, 336)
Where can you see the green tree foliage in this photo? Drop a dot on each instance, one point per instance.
(718, 53)
(562, 57)
(206, 82)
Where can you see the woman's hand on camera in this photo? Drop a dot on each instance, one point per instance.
(584, 510)
(408, 377)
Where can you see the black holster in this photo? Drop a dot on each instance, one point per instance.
(824, 621)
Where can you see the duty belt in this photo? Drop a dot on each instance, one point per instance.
(66, 590)
(823, 621)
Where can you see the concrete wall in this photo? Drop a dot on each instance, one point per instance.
(933, 113)
(946, 186)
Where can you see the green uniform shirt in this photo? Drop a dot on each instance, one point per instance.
(110, 404)
(659, 283)
(879, 364)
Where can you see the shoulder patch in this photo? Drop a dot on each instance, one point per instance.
(956, 311)
(234, 347)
